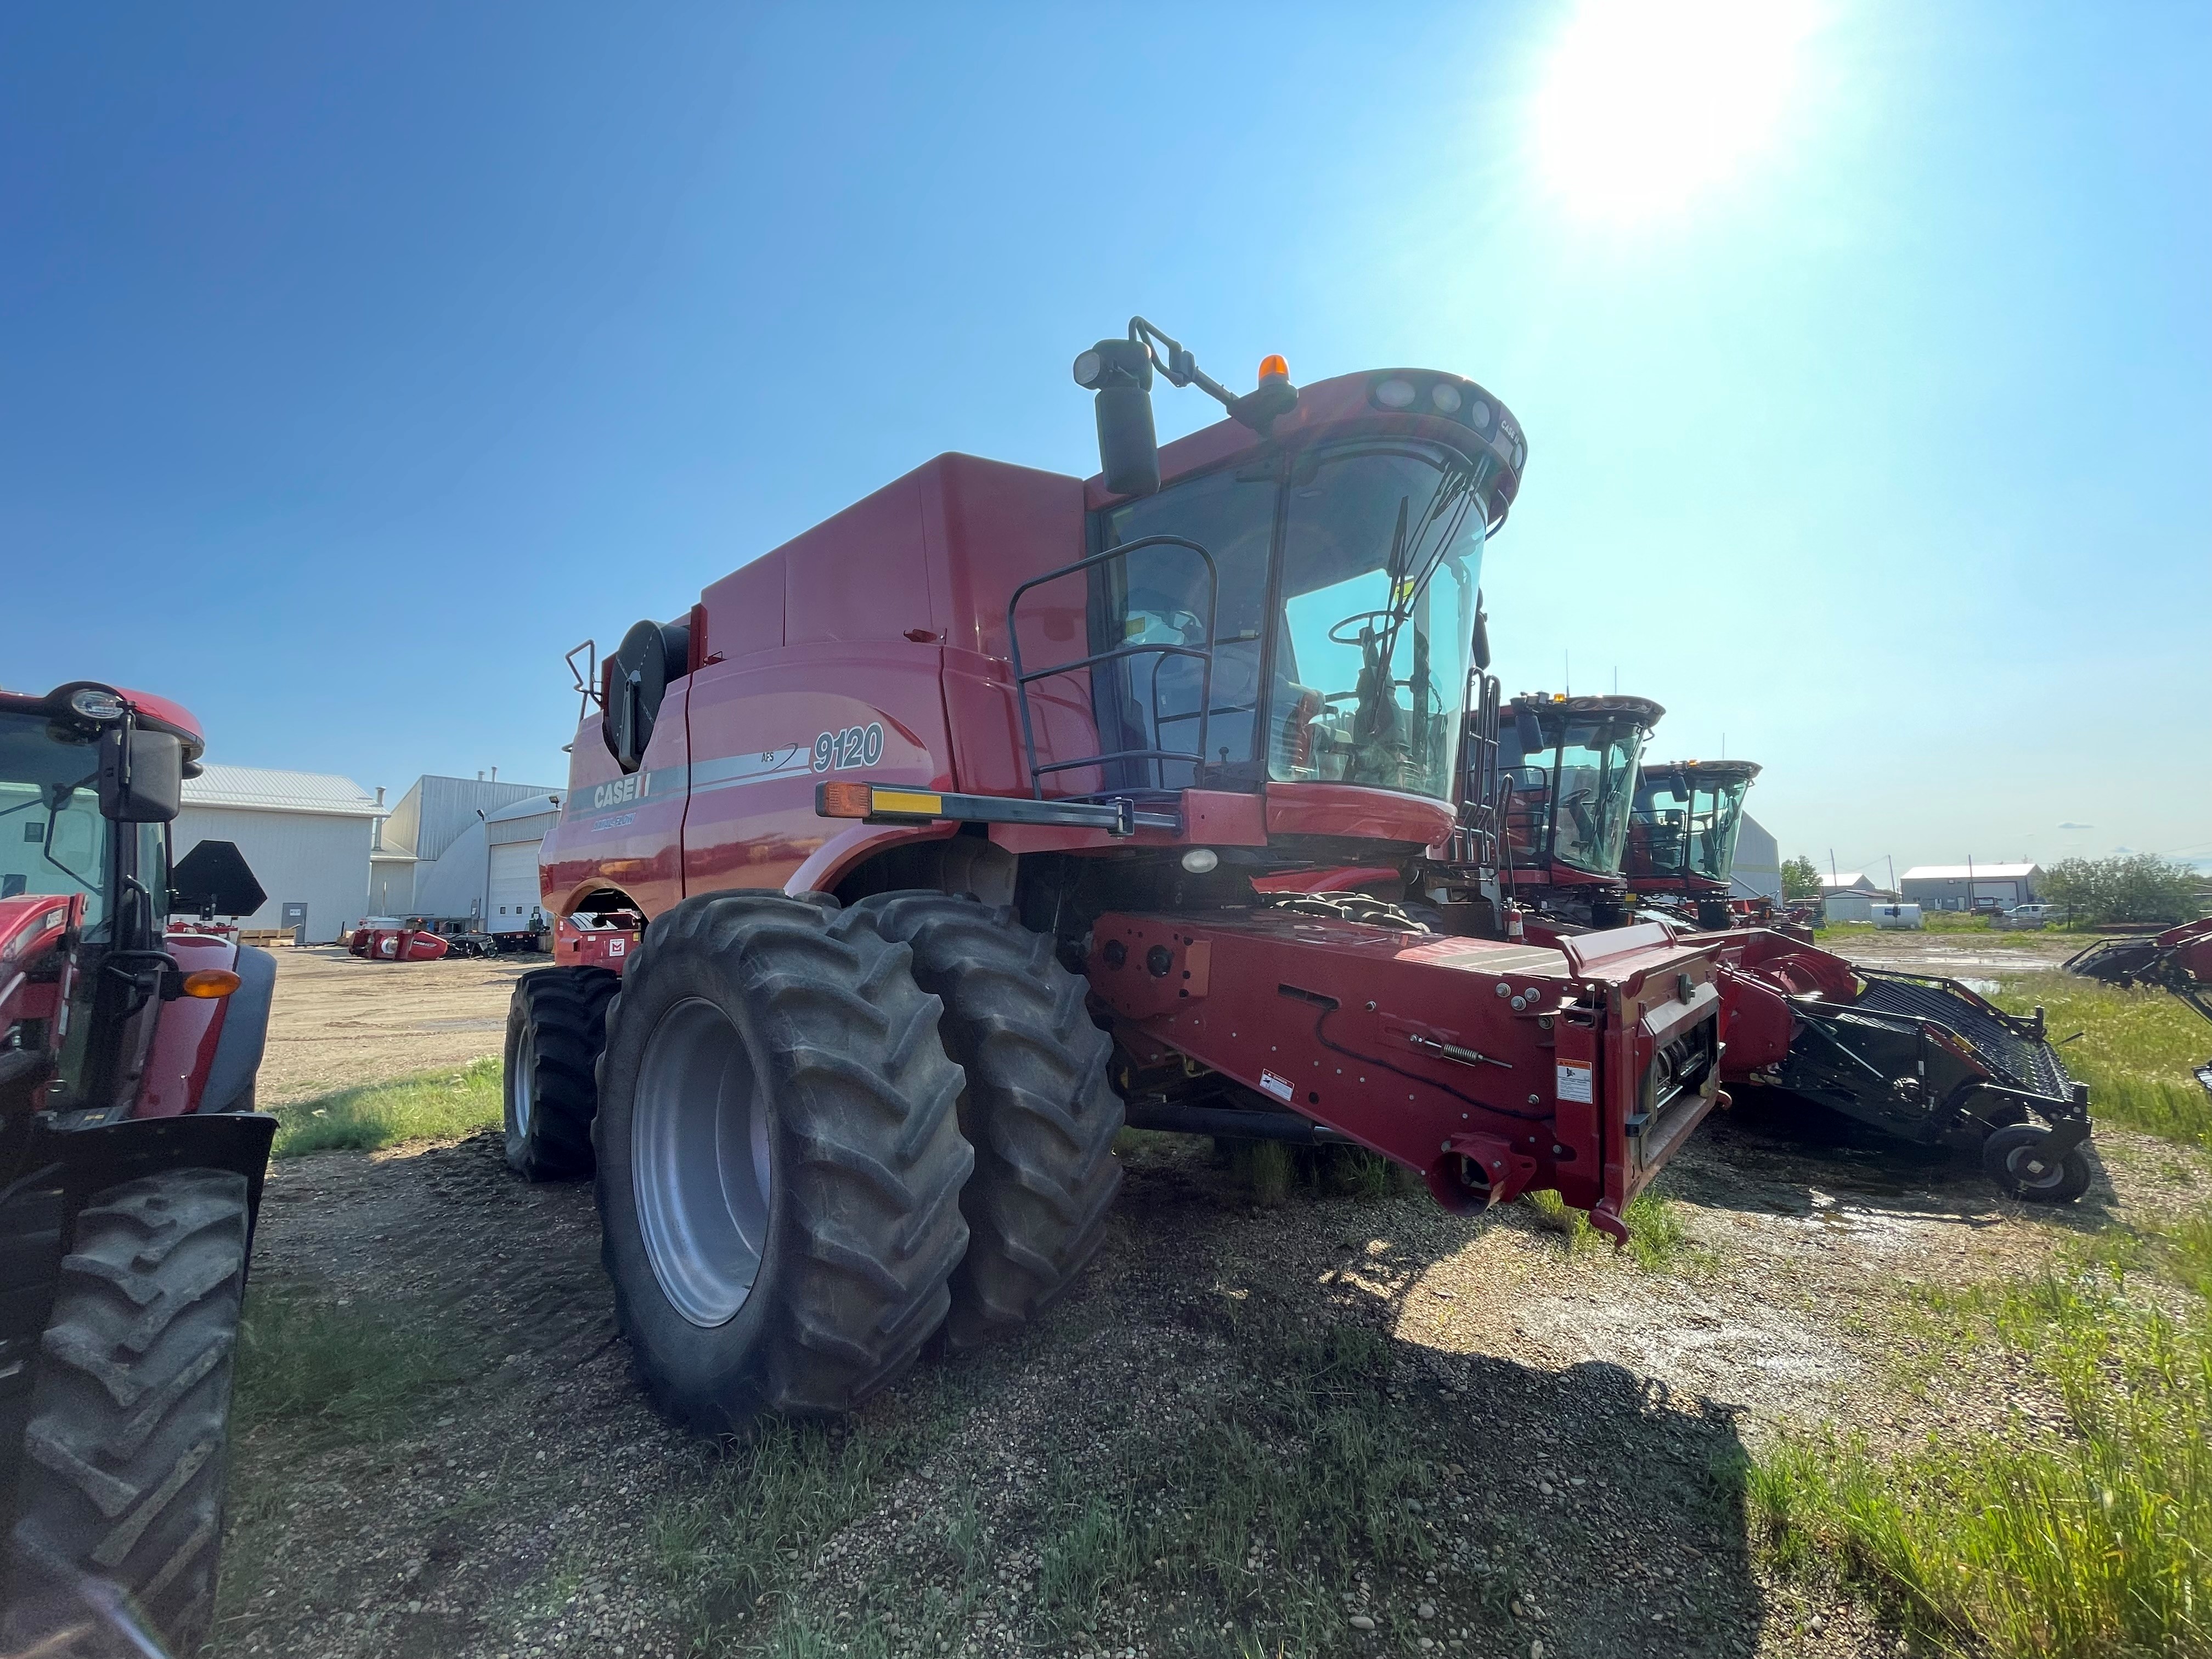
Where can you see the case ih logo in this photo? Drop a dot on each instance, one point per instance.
(632, 788)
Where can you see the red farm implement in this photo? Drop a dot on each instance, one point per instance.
(131, 1167)
(2180, 959)
(923, 852)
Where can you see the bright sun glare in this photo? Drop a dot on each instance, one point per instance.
(1646, 106)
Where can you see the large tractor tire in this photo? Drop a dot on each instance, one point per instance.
(1038, 1109)
(556, 1025)
(122, 1479)
(780, 1160)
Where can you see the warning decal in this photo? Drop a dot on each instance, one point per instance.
(1278, 1086)
(1575, 1081)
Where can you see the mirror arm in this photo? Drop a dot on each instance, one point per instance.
(1180, 364)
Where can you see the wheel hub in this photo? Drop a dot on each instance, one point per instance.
(700, 1164)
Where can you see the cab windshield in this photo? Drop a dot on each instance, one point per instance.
(53, 838)
(1570, 794)
(1343, 609)
(1687, 825)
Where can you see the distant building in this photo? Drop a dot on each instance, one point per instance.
(1851, 896)
(306, 835)
(454, 837)
(1993, 886)
(1758, 872)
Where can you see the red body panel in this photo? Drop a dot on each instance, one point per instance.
(397, 945)
(1328, 1019)
(185, 1036)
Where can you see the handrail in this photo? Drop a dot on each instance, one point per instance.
(1023, 677)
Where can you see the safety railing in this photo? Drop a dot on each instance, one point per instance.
(1154, 755)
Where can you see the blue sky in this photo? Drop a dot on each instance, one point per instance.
(355, 362)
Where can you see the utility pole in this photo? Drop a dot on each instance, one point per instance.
(1969, 884)
(1891, 863)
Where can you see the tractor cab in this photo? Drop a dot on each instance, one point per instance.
(1682, 834)
(1565, 793)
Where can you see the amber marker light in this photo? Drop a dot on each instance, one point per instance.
(843, 800)
(211, 982)
(1274, 366)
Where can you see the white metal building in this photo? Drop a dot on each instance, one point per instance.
(305, 835)
(466, 838)
(434, 850)
(1945, 886)
(1758, 870)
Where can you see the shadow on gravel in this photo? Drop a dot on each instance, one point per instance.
(1776, 1154)
(1219, 1447)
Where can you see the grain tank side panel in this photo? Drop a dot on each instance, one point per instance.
(767, 729)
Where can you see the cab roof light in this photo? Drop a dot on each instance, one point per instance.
(1274, 366)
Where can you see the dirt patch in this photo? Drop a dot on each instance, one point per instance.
(338, 1020)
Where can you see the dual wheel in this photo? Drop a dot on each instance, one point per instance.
(820, 1136)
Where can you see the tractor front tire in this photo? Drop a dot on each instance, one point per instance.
(780, 1160)
(557, 1024)
(2013, 1157)
(1038, 1109)
(122, 1477)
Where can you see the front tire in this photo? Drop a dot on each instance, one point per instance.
(780, 1161)
(1038, 1109)
(121, 1476)
(556, 1026)
(2014, 1158)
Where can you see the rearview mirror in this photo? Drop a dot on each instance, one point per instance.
(1120, 372)
(1481, 637)
(142, 774)
(1529, 729)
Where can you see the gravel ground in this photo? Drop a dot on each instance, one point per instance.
(338, 1020)
(1558, 1415)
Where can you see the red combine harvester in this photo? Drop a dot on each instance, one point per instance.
(855, 850)
(2180, 959)
(1681, 838)
(1565, 791)
(131, 1167)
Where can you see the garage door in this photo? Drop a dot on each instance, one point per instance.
(514, 887)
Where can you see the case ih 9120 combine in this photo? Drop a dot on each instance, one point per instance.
(854, 851)
(130, 1164)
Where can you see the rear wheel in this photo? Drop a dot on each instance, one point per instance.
(780, 1160)
(2017, 1158)
(1038, 1109)
(122, 1479)
(557, 1024)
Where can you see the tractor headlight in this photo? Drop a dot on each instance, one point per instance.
(95, 703)
(1395, 393)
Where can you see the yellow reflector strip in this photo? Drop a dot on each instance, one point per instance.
(919, 803)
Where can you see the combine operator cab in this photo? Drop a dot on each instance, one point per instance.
(1681, 836)
(931, 849)
(1566, 787)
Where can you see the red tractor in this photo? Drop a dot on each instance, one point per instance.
(1681, 838)
(923, 852)
(130, 1167)
(1565, 794)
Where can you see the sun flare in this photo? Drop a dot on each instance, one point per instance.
(1644, 106)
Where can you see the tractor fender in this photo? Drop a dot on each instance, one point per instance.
(91, 1160)
(245, 1031)
(837, 857)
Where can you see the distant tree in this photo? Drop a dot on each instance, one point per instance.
(1801, 878)
(2131, 887)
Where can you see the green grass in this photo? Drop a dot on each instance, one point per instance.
(1831, 933)
(2136, 1051)
(2092, 1542)
(430, 1106)
(338, 1372)
(1657, 1241)
(776, 1499)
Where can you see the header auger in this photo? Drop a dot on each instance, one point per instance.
(925, 851)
